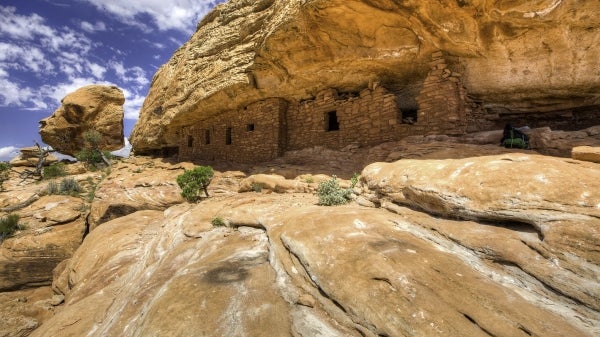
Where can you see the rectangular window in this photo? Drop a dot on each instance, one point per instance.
(408, 116)
(331, 121)
(249, 127)
(228, 136)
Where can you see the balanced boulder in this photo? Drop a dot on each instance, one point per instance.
(93, 107)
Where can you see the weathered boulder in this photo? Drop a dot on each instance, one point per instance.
(93, 107)
(30, 156)
(246, 51)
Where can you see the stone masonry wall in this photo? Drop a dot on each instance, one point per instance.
(444, 107)
(372, 117)
(252, 134)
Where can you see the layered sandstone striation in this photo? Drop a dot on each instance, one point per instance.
(94, 107)
(492, 245)
(533, 63)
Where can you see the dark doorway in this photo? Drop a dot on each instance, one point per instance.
(207, 137)
(190, 141)
(332, 123)
(228, 136)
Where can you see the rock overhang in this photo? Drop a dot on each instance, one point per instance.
(513, 56)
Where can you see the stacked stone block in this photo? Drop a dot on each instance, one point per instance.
(444, 107)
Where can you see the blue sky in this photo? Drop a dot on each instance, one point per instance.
(49, 48)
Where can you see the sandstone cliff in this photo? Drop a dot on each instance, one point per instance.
(514, 58)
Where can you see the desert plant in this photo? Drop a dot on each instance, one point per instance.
(354, 180)
(4, 173)
(52, 188)
(8, 225)
(69, 186)
(330, 193)
(257, 187)
(91, 153)
(54, 170)
(218, 222)
(194, 181)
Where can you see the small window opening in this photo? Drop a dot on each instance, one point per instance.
(249, 127)
(207, 137)
(332, 121)
(228, 136)
(190, 141)
(408, 116)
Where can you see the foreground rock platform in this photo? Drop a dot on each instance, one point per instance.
(493, 245)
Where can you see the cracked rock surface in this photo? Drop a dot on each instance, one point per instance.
(436, 255)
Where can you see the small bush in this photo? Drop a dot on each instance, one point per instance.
(194, 182)
(309, 180)
(218, 222)
(257, 187)
(4, 173)
(354, 180)
(8, 225)
(330, 193)
(53, 188)
(54, 170)
(69, 186)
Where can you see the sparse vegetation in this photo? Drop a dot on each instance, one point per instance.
(91, 154)
(330, 193)
(54, 170)
(309, 180)
(193, 182)
(218, 222)
(4, 173)
(67, 186)
(354, 180)
(8, 225)
(257, 187)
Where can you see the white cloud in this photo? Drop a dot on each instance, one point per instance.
(99, 26)
(13, 94)
(7, 153)
(133, 104)
(182, 15)
(23, 58)
(22, 27)
(96, 69)
(134, 75)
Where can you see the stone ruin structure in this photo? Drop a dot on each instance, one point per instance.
(265, 129)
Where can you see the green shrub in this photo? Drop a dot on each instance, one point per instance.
(4, 173)
(257, 187)
(218, 222)
(53, 188)
(330, 193)
(8, 225)
(69, 186)
(89, 156)
(354, 180)
(194, 181)
(54, 170)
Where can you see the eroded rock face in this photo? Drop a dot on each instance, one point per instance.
(499, 257)
(246, 51)
(93, 107)
(53, 229)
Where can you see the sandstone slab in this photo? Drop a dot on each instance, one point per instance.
(586, 153)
